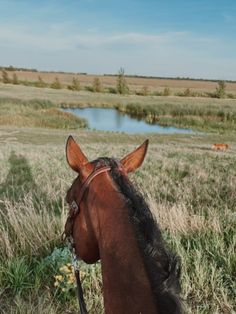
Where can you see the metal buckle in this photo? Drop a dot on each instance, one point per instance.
(74, 207)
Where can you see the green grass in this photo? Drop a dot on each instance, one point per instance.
(201, 116)
(36, 113)
(189, 187)
(214, 117)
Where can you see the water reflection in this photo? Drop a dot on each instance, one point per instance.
(112, 120)
(118, 121)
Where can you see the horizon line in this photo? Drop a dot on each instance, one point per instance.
(26, 69)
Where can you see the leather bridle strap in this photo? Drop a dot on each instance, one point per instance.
(74, 206)
(74, 210)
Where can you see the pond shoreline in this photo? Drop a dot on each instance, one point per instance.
(113, 119)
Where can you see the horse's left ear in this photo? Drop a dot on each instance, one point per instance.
(135, 159)
(76, 158)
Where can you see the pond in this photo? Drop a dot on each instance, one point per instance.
(112, 120)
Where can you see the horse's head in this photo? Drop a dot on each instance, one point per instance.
(90, 195)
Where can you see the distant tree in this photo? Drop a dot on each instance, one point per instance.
(75, 84)
(121, 84)
(5, 77)
(11, 68)
(56, 84)
(166, 91)
(221, 89)
(15, 79)
(40, 82)
(97, 85)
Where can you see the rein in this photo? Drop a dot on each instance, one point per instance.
(68, 232)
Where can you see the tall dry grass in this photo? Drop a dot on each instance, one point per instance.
(191, 192)
(37, 113)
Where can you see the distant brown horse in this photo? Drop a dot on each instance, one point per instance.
(114, 224)
(220, 146)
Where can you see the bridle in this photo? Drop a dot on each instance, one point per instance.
(75, 204)
(68, 232)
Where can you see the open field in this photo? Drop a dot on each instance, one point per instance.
(201, 114)
(95, 99)
(189, 187)
(135, 83)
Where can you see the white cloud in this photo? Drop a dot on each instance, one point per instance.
(56, 38)
(57, 47)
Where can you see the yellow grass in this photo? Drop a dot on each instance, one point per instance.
(135, 83)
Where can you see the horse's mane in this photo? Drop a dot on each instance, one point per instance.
(162, 266)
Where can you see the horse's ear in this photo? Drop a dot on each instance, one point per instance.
(75, 157)
(135, 159)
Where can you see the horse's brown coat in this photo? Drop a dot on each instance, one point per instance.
(102, 230)
(220, 146)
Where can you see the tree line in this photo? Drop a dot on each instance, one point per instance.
(121, 86)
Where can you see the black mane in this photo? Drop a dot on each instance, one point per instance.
(162, 266)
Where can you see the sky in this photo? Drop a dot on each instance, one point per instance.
(167, 38)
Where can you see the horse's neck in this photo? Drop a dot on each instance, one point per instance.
(126, 287)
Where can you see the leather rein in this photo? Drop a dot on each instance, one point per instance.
(68, 232)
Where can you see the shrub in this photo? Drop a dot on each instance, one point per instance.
(97, 85)
(121, 84)
(166, 91)
(15, 79)
(145, 91)
(220, 90)
(187, 92)
(56, 84)
(40, 82)
(75, 86)
(5, 77)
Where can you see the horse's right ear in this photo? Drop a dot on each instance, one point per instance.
(135, 159)
(76, 158)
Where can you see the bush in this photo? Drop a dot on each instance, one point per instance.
(220, 90)
(166, 91)
(75, 86)
(121, 84)
(187, 92)
(56, 84)
(40, 82)
(97, 85)
(145, 91)
(15, 79)
(5, 77)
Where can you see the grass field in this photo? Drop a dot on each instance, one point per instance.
(189, 187)
(135, 83)
(202, 114)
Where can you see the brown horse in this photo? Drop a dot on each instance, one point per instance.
(114, 224)
(220, 147)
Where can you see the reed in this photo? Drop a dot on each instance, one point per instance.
(215, 117)
(37, 113)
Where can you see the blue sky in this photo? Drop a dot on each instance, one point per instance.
(187, 38)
